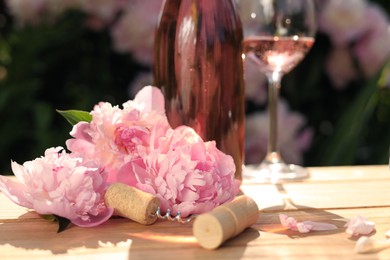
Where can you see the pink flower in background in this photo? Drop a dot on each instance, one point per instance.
(101, 12)
(185, 173)
(134, 32)
(60, 184)
(116, 136)
(103, 9)
(55, 8)
(293, 138)
(372, 50)
(361, 24)
(256, 137)
(343, 20)
(255, 82)
(340, 67)
(27, 11)
(141, 80)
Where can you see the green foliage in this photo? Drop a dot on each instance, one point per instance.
(63, 223)
(75, 116)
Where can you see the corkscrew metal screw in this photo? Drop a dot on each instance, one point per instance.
(168, 216)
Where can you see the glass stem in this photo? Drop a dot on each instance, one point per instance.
(274, 80)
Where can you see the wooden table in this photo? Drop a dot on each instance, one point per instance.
(332, 195)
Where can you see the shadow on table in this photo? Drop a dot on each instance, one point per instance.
(172, 240)
(121, 236)
(270, 221)
(31, 232)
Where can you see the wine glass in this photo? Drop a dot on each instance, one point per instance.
(277, 36)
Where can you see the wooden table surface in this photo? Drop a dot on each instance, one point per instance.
(331, 194)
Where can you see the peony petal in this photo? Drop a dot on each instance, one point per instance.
(189, 195)
(19, 171)
(305, 226)
(320, 226)
(94, 221)
(15, 191)
(126, 174)
(288, 222)
(387, 234)
(359, 226)
(152, 98)
(80, 130)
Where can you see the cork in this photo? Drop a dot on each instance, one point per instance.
(132, 203)
(212, 229)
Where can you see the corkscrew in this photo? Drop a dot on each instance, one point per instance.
(177, 217)
(139, 206)
(210, 229)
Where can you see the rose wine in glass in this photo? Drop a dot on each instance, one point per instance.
(277, 36)
(279, 54)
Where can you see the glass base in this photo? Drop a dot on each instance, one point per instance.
(268, 172)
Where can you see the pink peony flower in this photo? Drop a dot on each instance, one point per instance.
(185, 173)
(138, 147)
(117, 136)
(60, 184)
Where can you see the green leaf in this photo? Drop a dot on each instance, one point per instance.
(63, 223)
(49, 217)
(75, 116)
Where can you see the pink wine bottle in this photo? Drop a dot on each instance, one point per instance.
(198, 66)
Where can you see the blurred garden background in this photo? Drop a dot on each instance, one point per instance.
(71, 54)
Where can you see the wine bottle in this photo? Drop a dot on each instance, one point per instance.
(198, 66)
